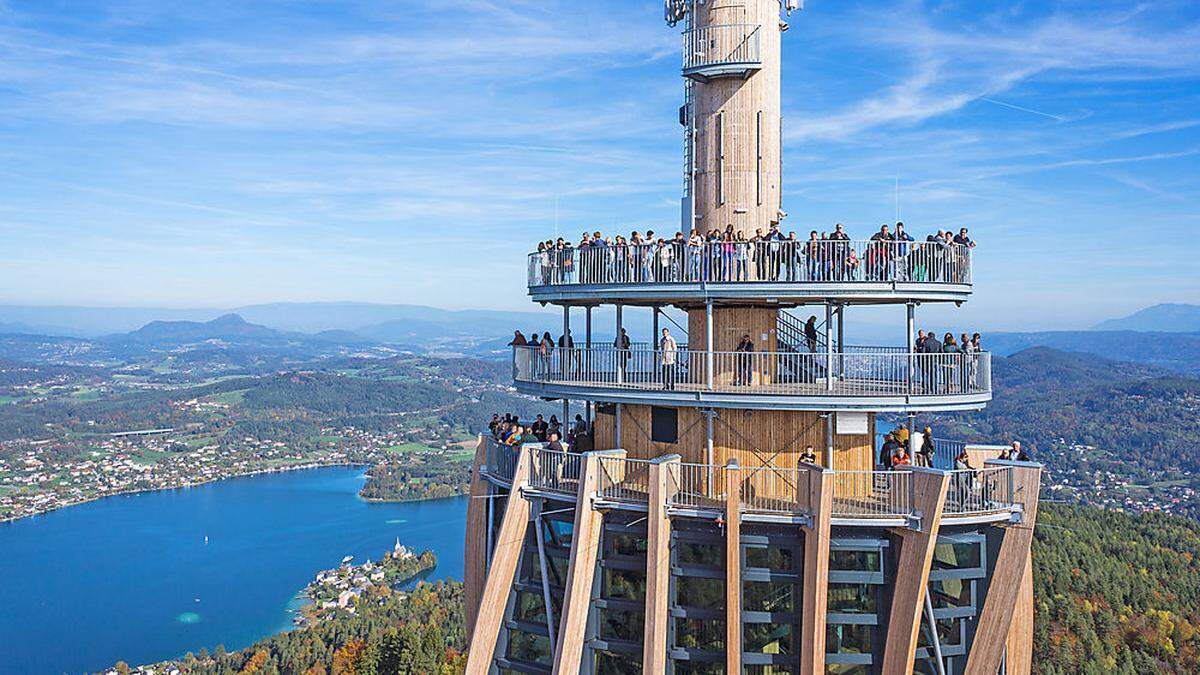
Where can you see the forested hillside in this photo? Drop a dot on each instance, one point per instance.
(1110, 433)
(1115, 592)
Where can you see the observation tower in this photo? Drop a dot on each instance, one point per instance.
(702, 535)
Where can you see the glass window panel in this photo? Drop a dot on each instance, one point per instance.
(705, 634)
(530, 607)
(699, 668)
(770, 557)
(557, 570)
(951, 556)
(951, 593)
(846, 669)
(610, 663)
(696, 592)
(855, 561)
(628, 544)
(768, 596)
(618, 624)
(852, 599)
(849, 639)
(773, 669)
(625, 584)
(524, 646)
(693, 553)
(949, 633)
(768, 638)
(562, 530)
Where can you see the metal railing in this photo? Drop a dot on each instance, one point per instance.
(624, 480)
(767, 490)
(697, 486)
(851, 373)
(555, 470)
(872, 494)
(721, 45)
(500, 460)
(975, 491)
(780, 261)
(776, 490)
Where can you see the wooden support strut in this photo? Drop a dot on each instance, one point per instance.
(475, 550)
(997, 627)
(816, 569)
(581, 572)
(500, 578)
(912, 578)
(733, 568)
(658, 565)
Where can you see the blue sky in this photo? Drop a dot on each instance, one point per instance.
(202, 154)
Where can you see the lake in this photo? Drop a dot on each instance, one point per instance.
(132, 578)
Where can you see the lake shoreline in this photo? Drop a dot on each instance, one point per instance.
(184, 486)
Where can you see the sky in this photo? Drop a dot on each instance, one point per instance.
(191, 153)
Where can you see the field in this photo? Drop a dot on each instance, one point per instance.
(409, 447)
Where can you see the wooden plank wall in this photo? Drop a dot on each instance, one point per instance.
(746, 146)
(750, 436)
(475, 552)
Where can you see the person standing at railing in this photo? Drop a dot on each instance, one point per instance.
(669, 354)
(928, 448)
(809, 456)
(774, 248)
(695, 249)
(539, 429)
(678, 252)
(649, 260)
(835, 254)
(622, 345)
(518, 340)
(879, 255)
(545, 353)
(792, 256)
(741, 253)
(566, 354)
(745, 357)
(954, 357)
(585, 258)
(936, 254)
(665, 254)
(636, 253)
(904, 252)
(963, 249)
(812, 252)
(554, 444)
(930, 358)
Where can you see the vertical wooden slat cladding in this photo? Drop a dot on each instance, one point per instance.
(752, 437)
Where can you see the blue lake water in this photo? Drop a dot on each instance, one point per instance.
(131, 578)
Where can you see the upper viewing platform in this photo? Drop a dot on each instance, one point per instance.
(852, 271)
(731, 50)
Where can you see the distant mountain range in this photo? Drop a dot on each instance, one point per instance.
(1167, 336)
(1178, 352)
(1164, 318)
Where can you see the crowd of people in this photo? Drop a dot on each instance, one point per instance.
(889, 255)
(508, 430)
(946, 365)
(896, 452)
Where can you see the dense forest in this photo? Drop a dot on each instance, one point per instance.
(419, 632)
(1115, 592)
(417, 477)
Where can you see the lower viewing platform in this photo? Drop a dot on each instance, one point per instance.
(766, 493)
(875, 379)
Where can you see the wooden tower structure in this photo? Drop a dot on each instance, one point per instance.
(733, 516)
